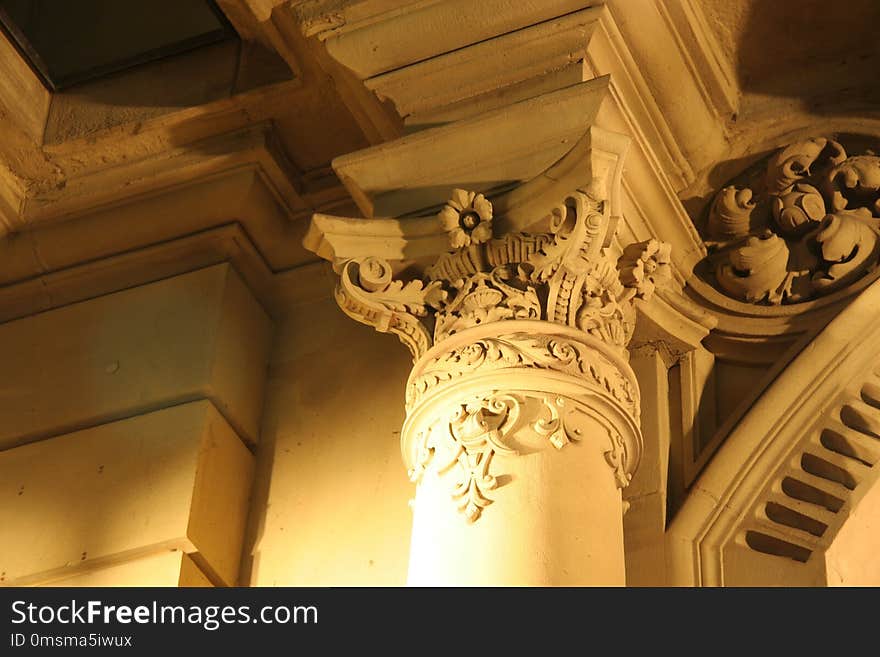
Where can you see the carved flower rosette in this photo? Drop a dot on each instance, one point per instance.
(799, 226)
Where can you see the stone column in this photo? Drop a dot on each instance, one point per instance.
(520, 435)
(522, 412)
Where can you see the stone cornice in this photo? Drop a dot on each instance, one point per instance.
(423, 56)
(487, 152)
(444, 82)
(375, 36)
(139, 231)
(432, 90)
(67, 154)
(543, 163)
(256, 146)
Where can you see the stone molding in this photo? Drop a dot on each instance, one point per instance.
(455, 64)
(793, 470)
(527, 166)
(429, 44)
(524, 345)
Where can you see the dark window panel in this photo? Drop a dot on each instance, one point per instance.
(68, 42)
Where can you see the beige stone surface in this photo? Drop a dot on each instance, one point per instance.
(554, 519)
(645, 519)
(167, 568)
(228, 243)
(851, 559)
(758, 408)
(176, 478)
(751, 32)
(331, 505)
(796, 474)
(199, 335)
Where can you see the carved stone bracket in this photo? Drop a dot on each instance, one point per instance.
(803, 225)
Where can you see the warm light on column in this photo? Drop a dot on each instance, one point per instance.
(519, 456)
(522, 412)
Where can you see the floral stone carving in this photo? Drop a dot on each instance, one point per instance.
(564, 276)
(462, 448)
(510, 334)
(803, 225)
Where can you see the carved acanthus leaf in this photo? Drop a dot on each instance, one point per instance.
(855, 182)
(485, 298)
(565, 276)
(564, 264)
(731, 214)
(644, 266)
(809, 227)
(757, 270)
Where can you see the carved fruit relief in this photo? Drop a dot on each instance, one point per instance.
(803, 224)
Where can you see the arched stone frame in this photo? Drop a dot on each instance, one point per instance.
(757, 515)
(793, 487)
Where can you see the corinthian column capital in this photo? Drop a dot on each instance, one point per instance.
(563, 274)
(516, 339)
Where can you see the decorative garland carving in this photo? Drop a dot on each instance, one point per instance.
(808, 226)
(522, 350)
(464, 446)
